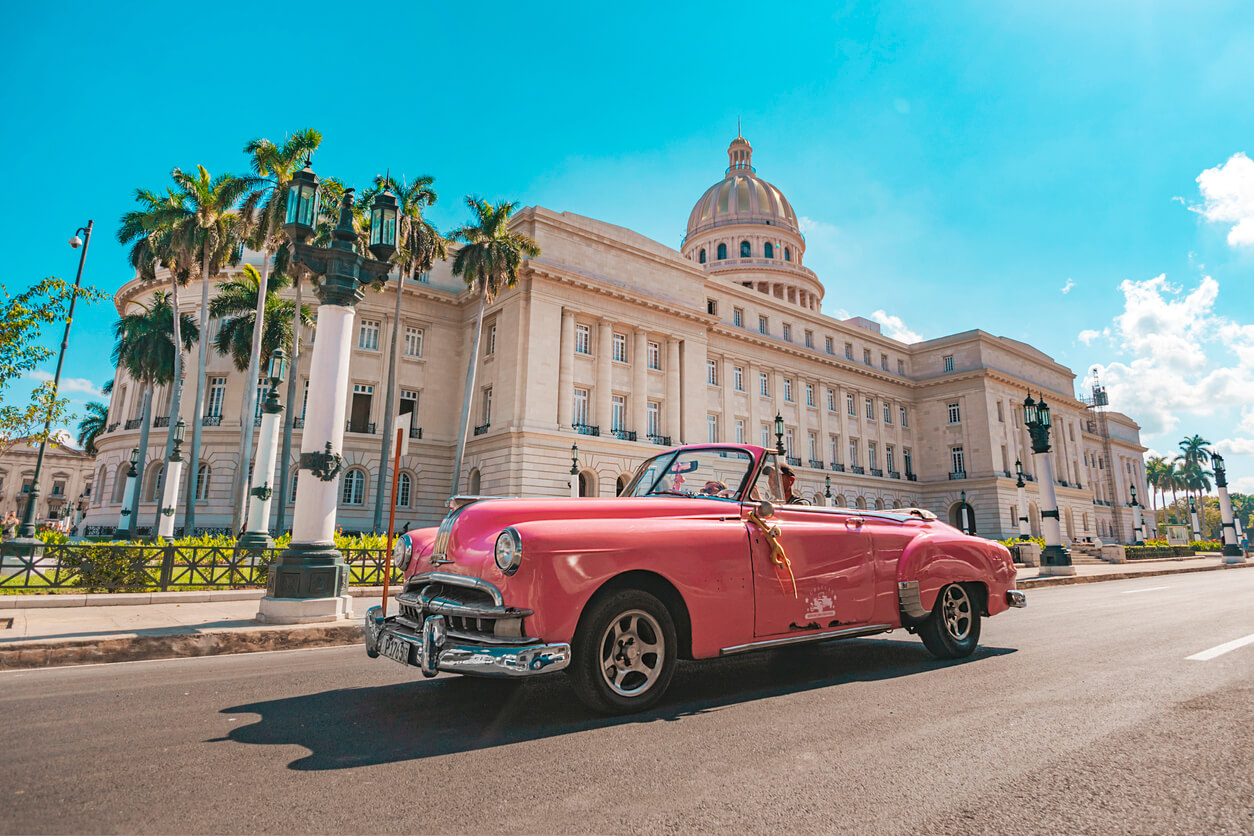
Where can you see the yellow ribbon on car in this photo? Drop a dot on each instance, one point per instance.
(778, 556)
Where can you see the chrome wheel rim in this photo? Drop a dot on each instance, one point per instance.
(632, 653)
(956, 612)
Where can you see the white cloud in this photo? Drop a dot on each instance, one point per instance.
(1228, 197)
(1235, 446)
(68, 385)
(1066, 288)
(1245, 484)
(1088, 335)
(812, 227)
(895, 327)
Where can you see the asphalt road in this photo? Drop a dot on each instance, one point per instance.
(1080, 714)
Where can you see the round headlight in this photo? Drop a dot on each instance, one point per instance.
(402, 552)
(508, 551)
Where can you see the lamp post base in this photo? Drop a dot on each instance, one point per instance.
(304, 610)
(306, 583)
(255, 540)
(1233, 554)
(1056, 560)
(25, 547)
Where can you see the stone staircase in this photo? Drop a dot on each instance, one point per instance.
(1083, 554)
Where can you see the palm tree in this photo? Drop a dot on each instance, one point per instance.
(1156, 470)
(488, 261)
(419, 246)
(1193, 451)
(240, 335)
(206, 226)
(145, 347)
(92, 425)
(272, 167)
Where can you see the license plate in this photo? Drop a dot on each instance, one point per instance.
(394, 648)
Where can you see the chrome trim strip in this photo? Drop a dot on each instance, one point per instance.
(434, 653)
(1015, 598)
(908, 596)
(456, 580)
(845, 632)
(436, 604)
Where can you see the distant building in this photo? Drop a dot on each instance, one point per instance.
(621, 344)
(66, 484)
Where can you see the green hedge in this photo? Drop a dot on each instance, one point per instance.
(1151, 552)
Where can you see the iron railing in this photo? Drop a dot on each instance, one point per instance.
(157, 567)
(875, 471)
(795, 461)
(624, 435)
(838, 467)
(415, 432)
(662, 440)
(161, 421)
(857, 468)
(133, 423)
(298, 423)
(112, 427)
(894, 474)
(817, 464)
(587, 429)
(363, 428)
(211, 421)
(481, 429)
(958, 474)
(912, 477)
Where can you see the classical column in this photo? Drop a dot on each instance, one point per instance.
(640, 384)
(170, 490)
(803, 425)
(1233, 553)
(754, 390)
(257, 534)
(566, 372)
(727, 379)
(1055, 558)
(1195, 529)
(673, 391)
(604, 385)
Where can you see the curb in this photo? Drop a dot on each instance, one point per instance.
(1067, 580)
(47, 653)
(134, 599)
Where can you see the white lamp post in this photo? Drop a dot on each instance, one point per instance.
(124, 516)
(574, 471)
(1196, 532)
(1138, 536)
(1233, 553)
(1055, 558)
(257, 533)
(827, 491)
(1025, 532)
(962, 509)
(170, 491)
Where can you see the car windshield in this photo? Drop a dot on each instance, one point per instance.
(714, 473)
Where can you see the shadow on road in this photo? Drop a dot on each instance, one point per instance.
(351, 727)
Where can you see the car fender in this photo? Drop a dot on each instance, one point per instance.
(933, 560)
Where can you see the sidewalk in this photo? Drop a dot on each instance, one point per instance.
(48, 630)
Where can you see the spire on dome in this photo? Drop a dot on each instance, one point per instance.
(739, 153)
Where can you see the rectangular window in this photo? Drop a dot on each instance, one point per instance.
(866, 356)
(809, 394)
(814, 446)
(583, 340)
(262, 387)
(711, 426)
(888, 414)
(1001, 416)
(304, 402)
(618, 413)
(740, 431)
(764, 383)
(833, 444)
(848, 351)
(368, 335)
(581, 406)
(955, 417)
(711, 372)
(620, 348)
(766, 437)
(902, 412)
(655, 356)
(948, 360)
(831, 400)
(870, 455)
(787, 332)
(870, 409)
(901, 367)
(738, 375)
(217, 392)
(711, 307)
(788, 441)
(827, 345)
(738, 317)
(413, 342)
(849, 407)
(884, 362)
(853, 452)
(651, 412)
(487, 404)
(788, 390)
(905, 460)
(888, 458)
(957, 459)
(490, 348)
(809, 339)
(762, 325)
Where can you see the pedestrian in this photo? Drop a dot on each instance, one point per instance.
(10, 526)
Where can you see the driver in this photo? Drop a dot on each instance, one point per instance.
(789, 479)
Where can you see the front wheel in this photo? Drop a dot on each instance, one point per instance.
(623, 657)
(952, 631)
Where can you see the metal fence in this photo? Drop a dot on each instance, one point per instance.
(151, 567)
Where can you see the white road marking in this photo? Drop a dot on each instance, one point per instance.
(174, 659)
(1219, 650)
(1147, 589)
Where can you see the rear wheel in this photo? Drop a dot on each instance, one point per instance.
(623, 657)
(952, 631)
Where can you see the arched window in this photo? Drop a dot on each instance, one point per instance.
(295, 478)
(879, 505)
(722, 252)
(861, 504)
(404, 487)
(153, 494)
(840, 501)
(787, 254)
(587, 483)
(476, 482)
(99, 486)
(768, 250)
(623, 481)
(119, 484)
(203, 474)
(745, 249)
(701, 258)
(353, 491)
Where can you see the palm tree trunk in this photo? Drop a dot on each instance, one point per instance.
(389, 406)
(239, 493)
(289, 419)
(176, 383)
(198, 420)
(470, 388)
(145, 418)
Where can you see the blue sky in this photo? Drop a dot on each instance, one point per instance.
(1026, 168)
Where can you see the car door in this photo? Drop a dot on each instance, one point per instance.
(830, 553)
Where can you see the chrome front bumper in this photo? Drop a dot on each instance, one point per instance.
(432, 651)
(1015, 598)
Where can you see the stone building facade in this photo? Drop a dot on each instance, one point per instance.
(618, 344)
(65, 487)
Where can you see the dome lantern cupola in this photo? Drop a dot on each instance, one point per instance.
(740, 155)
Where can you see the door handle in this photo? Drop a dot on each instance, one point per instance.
(853, 523)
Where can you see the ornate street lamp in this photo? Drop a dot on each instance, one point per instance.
(26, 544)
(257, 534)
(1055, 558)
(1195, 528)
(827, 491)
(124, 529)
(173, 477)
(307, 581)
(779, 434)
(383, 211)
(574, 471)
(1138, 536)
(1025, 531)
(1233, 553)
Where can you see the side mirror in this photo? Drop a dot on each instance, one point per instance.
(765, 510)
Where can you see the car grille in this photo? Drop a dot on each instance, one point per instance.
(470, 613)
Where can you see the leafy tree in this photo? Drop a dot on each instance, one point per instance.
(237, 299)
(92, 425)
(22, 318)
(32, 421)
(488, 261)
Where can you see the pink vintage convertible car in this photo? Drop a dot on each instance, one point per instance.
(700, 557)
